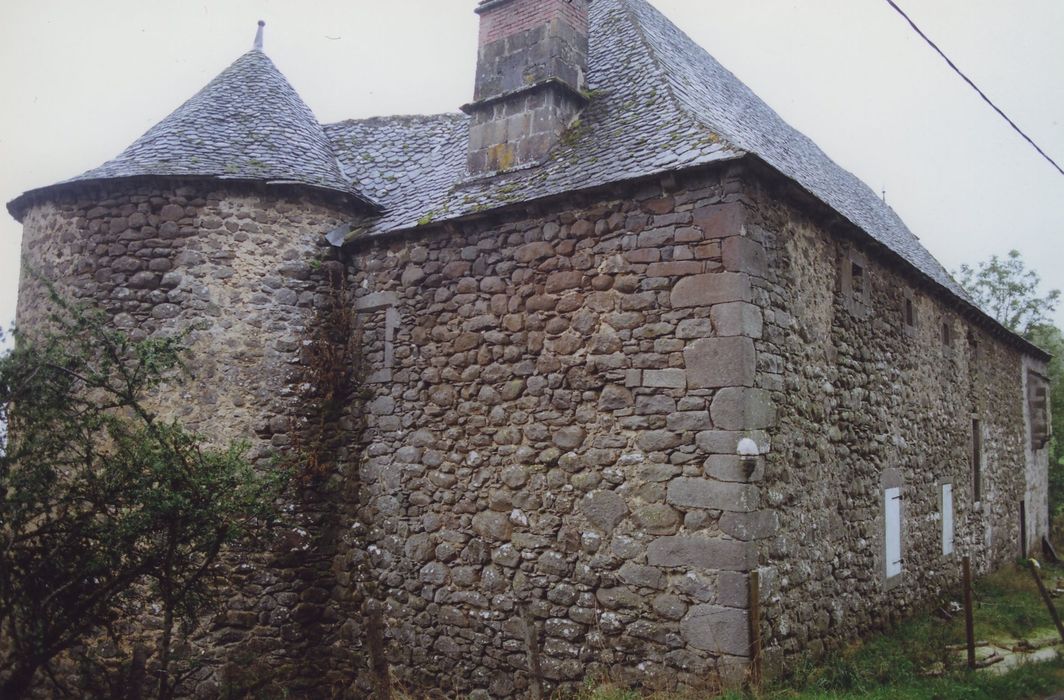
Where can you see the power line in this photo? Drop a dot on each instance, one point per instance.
(975, 87)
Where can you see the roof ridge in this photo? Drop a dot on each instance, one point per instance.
(457, 116)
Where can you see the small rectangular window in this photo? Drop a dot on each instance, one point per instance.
(977, 459)
(892, 533)
(947, 334)
(947, 519)
(857, 280)
(1038, 406)
(910, 313)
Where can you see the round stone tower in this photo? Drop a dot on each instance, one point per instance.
(214, 223)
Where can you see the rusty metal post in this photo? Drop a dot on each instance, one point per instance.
(535, 667)
(755, 629)
(1035, 566)
(969, 622)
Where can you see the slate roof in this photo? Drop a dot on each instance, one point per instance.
(632, 127)
(246, 124)
(658, 103)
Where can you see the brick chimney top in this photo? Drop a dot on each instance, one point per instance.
(530, 83)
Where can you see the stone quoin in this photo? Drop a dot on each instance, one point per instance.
(623, 337)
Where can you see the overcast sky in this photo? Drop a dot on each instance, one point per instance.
(83, 79)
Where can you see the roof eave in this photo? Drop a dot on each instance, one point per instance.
(967, 309)
(18, 206)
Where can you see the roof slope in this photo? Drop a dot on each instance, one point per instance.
(720, 101)
(631, 128)
(246, 124)
(659, 102)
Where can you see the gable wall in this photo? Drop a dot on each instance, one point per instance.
(552, 443)
(865, 403)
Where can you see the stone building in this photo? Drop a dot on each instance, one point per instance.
(619, 337)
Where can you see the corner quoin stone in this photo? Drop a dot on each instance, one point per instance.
(717, 629)
(711, 288)
(689, 492)
(702, 553)
(719, 362)
(737, 318)
(750, 526)
(742, 408)
(720, 220)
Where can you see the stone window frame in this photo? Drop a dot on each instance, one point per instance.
(977, 459)
(975, 348)
(1039, 423)
(856, 301)
(910, 316)
(891, 478)
(947, 333)
(942, 516)
(388, 302)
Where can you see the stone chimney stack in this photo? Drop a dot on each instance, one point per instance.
(531, 78)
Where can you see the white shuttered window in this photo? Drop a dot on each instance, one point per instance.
(892, 536)
(947, 519)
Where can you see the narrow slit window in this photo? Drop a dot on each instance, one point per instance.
(910, 313)
(947, 334)
(892, 534)
(977, 459)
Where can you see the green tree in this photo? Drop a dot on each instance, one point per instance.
(1007, 290)
(1051, 339)
(103, 503)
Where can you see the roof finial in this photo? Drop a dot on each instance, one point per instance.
(258, 36)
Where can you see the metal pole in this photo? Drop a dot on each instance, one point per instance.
(1035, 566)
(535, 667)
(969, 622)
(755, 629)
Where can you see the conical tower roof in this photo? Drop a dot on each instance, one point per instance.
(247, 124)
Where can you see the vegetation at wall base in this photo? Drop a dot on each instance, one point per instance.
(106, 508)
(894, 665)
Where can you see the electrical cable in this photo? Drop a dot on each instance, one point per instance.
(974, 86)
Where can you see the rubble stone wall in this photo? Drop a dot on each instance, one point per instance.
(866, 401)
(242, 272)
(550, 471)
(537, 476)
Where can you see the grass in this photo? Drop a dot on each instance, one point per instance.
(892, 666)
